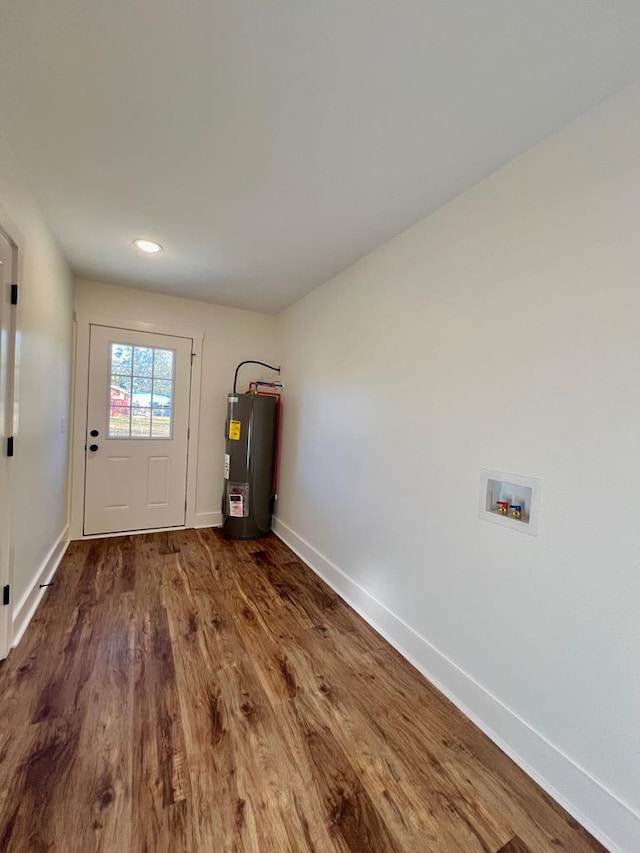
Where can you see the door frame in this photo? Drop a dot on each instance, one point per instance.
(83, 323)
(10, 324)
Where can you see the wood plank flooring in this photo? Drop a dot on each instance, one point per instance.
(177, 692)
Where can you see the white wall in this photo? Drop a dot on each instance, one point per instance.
(39, 469)
(230, 336)
(502, 332)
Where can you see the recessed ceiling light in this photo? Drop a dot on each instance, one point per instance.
(148, 246)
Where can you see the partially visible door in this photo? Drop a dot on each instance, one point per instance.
(137, 430)
(7, 259)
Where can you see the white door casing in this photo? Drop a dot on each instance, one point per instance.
(8, 272)
(138, 403)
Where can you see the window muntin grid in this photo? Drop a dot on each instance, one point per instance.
(141, 394)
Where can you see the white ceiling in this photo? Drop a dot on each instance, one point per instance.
(268, 144)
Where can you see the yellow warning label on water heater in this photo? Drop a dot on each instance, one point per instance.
(234, 430)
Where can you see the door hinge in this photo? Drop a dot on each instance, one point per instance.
(14, 294)
(10, 446)
(6, 592)
(188, 432)
(193, 355)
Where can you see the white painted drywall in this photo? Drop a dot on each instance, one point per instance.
(230, 336)
(39, 469)
(501, 332)
(269, 144)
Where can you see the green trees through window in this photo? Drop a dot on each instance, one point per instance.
(141, 393)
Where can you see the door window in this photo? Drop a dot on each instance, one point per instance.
(141, 391)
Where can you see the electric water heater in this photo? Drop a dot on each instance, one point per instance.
(249, 464)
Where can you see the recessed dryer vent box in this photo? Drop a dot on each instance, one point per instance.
(510, 491)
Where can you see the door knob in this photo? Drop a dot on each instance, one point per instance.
(94, 433)
(93, 447)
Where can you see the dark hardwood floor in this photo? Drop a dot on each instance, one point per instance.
(176, 692)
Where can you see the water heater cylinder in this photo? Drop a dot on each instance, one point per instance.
(247, 501)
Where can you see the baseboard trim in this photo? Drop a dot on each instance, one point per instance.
(24, 610)
(208, 519)
(606, 817)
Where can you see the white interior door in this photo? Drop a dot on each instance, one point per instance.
(137, 430)
(6, 424)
